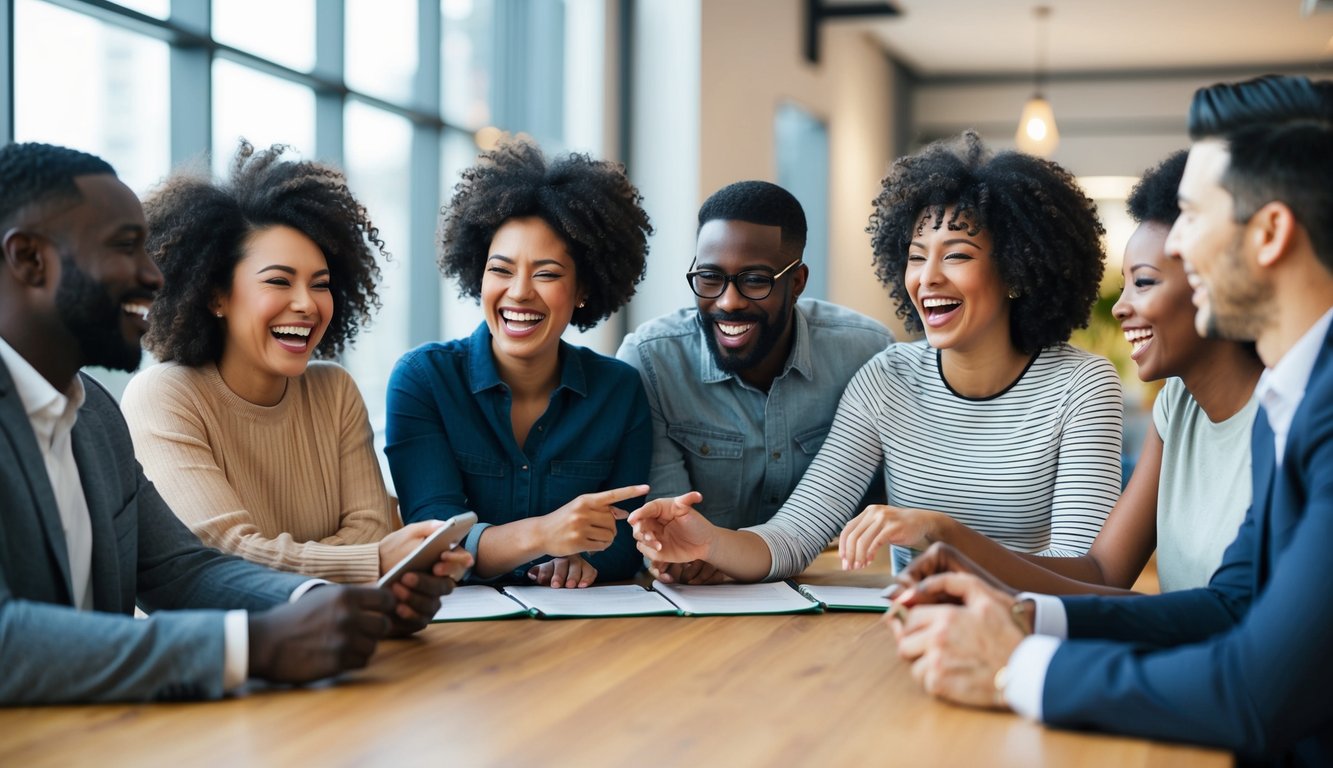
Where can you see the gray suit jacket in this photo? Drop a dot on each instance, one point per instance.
(53, 653)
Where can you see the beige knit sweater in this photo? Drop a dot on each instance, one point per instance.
(294, 486)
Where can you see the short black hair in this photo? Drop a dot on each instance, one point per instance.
(590, 204)
(1047, 239)
(1155, 198)
(1279, 133)
(197, 231)
(33, 173)
(1290, 163)
(758, 202)
(1219, 109)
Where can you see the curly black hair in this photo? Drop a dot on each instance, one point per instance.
(197, 231)
(33, 173)
(1154, 196)
(590, 204)
(1046, 236)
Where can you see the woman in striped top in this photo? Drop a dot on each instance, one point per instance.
(1191, 487)
(259, 451)
(993, 419)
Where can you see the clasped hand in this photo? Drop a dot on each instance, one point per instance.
(334, 628)
(955, 624)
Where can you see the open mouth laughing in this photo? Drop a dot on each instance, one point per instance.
(293, 338)
(940, 309)
(1139, 339)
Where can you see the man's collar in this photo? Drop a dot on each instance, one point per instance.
(33, 389)
(1290, 376)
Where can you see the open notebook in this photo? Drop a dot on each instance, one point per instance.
(846, 598)
(481, 602)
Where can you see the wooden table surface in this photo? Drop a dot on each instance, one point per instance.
(734, 691)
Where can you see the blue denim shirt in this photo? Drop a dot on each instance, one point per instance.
(742, 448)
(451, 446)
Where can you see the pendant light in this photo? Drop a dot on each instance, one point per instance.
(1037, 134)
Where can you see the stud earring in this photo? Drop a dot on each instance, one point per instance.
(1013, 293)
(582, 304)
(217, 314)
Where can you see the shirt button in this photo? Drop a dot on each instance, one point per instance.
(704, 449)
(539, 429)
(525, 467)
(777, 455)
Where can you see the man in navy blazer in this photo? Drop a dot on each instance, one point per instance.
(83, 535)
(1245, 663)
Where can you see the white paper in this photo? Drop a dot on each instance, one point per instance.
(723, 599)
(615, 600)
(857, 597)
(476, 602)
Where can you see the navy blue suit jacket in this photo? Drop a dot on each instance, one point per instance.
(1245, 663)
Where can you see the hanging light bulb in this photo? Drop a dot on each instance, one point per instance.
(1037, 133)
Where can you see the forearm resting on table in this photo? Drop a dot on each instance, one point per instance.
(1030, 573)
(742, 555)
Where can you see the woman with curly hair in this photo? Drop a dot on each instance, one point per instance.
(1191, 486)
(261, 452)
(541, 439)
(993, 419)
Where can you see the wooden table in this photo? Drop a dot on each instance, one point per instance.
(732, 691)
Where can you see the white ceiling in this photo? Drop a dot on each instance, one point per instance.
(971, 37)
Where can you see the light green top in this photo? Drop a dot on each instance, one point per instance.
(1204, 488)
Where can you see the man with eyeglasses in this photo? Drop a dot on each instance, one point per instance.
(743, 387)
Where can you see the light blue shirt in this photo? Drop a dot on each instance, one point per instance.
(742, 448)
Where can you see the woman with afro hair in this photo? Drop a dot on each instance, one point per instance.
(1191, 486)
(260, 451)
(992, 420)
(548, 443)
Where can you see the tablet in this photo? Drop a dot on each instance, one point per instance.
(428, 551)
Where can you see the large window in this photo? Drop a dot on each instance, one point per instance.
(393, 91)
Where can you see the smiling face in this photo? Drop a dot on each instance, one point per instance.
(276, 312)
(528, 292)
(1230, 293)
(1154, 309)
(955, 286)
(107, 281)
(746, 336)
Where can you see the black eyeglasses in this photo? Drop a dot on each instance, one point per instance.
(753, 284)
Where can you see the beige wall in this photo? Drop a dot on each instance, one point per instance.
(749, 61)
(753, 61)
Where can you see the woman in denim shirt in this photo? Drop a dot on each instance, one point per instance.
(546, 442)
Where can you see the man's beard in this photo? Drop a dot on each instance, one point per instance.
(1237, 301)
(767, 335)
(93, 317)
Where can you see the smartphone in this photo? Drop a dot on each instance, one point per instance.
(428, 551)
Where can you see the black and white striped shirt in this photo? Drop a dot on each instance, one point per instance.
(1035, 467)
